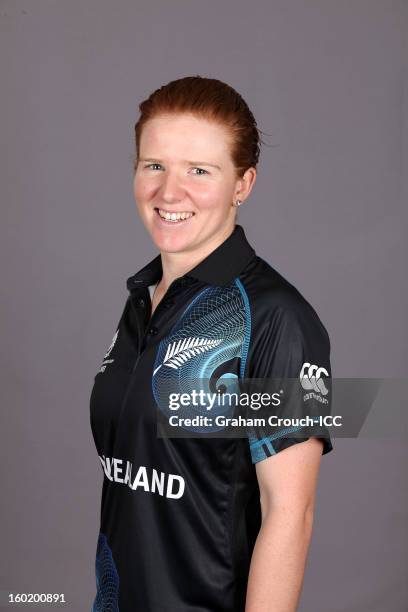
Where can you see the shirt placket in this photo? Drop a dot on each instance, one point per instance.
(149, 327)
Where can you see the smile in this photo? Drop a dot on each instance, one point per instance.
(174, 217)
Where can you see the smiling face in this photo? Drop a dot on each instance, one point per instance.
(185, 166)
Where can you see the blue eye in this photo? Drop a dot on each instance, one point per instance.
(200, 173)
(149, 165)
(201, 170)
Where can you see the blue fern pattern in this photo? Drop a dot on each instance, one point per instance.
(202, 351)
(107, 579)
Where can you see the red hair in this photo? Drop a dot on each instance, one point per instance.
(213, 100)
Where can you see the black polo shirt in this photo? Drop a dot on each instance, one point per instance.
(179, 516)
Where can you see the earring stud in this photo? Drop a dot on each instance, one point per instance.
(237, 203)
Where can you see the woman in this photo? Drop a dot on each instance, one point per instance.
(202, 523)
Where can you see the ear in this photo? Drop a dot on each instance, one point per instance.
(245, 184)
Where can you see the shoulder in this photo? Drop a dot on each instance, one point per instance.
(275, 302)
(284, 330)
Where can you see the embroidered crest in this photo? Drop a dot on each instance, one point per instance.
(180, 351)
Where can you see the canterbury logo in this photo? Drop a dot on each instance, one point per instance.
(180, 351)
(310, 378)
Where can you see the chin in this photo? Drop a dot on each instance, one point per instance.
(171, 244)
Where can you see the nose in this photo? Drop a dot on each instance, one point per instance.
(171, 190)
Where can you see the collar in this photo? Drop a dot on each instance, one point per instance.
(220, 267)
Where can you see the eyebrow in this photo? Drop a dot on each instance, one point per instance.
(193, 163)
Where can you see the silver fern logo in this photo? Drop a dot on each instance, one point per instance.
(180, 351)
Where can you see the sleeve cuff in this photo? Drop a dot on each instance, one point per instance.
(266, 447)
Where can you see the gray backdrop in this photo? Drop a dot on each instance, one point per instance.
(327, 80)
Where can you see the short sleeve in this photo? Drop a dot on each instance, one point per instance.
(293, 347)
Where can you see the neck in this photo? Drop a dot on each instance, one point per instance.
(177, 264)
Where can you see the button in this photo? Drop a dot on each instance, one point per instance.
(141, 303)
(153, 330)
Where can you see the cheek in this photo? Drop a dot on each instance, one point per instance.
(142, 189)
(210, 197)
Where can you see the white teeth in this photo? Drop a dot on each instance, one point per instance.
(175, 216)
